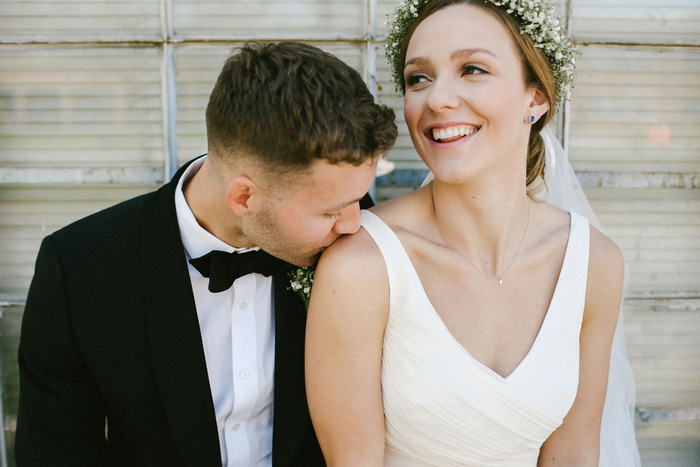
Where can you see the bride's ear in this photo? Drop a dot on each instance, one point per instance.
(539, 105)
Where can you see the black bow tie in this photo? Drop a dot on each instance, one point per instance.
(223, 268)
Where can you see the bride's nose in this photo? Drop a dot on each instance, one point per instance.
(442, 95)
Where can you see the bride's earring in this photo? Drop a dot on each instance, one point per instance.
(531, 119)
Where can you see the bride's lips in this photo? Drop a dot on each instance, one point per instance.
(450, 132)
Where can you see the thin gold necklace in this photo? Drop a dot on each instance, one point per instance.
(497, 276)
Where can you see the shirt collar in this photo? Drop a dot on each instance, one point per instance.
(196, 240)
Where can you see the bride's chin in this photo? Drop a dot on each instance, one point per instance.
(447, 175)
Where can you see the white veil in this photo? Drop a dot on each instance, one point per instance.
(618, 446)
(560, 187)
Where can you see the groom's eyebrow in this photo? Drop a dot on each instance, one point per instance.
(340, 207)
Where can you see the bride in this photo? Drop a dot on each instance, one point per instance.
(469, 322)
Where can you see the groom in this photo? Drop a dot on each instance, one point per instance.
(140, 344)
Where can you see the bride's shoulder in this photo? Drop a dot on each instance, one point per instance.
(606, 265)
(603, 252)
(352, 258)
(358, 254)
(351, 249)
(351, 284)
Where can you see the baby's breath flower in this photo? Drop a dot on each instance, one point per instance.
(537, 19)
(300, 282)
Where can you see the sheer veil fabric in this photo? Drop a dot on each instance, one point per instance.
(560, 187)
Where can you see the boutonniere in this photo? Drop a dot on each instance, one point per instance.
(300, 282)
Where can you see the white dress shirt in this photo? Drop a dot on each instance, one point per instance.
(238, 332)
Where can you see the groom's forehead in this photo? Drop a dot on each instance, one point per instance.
(331, 186)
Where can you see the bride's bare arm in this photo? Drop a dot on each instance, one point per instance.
(347, 317)
(577, 440)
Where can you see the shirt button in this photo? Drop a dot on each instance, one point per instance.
(245, 374)
(236, 426)
(243, 305)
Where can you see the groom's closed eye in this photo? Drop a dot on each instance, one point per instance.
(338, 209)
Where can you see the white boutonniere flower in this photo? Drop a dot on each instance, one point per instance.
(300, 282)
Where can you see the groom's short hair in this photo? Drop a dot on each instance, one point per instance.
(287, 104)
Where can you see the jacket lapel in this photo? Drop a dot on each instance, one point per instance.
(291, 420)
(177, 352)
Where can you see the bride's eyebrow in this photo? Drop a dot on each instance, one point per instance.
(419, 61)
(463, 53)
(457, 54)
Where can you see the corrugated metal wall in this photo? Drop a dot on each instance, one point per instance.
(101, 100)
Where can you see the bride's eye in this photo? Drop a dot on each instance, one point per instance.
(472, 70)
(414, 79)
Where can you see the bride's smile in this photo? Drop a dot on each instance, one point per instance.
(451, 133)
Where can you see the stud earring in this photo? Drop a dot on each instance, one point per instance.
(531, 119)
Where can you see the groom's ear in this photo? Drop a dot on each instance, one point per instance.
(238, 194)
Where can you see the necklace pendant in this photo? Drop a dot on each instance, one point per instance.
(500, 281)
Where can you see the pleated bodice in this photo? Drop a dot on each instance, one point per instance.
(443, 407)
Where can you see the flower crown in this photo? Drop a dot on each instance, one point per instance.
(537, 19)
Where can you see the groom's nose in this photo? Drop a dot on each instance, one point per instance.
(349, 220)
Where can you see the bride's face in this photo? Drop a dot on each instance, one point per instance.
(466, 102)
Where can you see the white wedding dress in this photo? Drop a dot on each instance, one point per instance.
(444, 408)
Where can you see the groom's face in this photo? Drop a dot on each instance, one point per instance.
(297, 222)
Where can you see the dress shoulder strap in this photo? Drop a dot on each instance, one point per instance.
(385, 238)
(399, 267)
(580, 227)
(578, 250)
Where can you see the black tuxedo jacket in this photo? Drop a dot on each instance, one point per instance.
(110, 331)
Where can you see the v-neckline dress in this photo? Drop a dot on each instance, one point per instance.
(445, 408)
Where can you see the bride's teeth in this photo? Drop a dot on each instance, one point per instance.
(451, 132)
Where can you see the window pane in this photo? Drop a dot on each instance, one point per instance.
(250, 19)
(385, 10)
(24, 20)
(664, 353)
(30, 212)
(10, 321)
(74, 111)
(403, 152)
(676, 445)
(658, 231)
(644, 21)
(197, 67)
(636, 110)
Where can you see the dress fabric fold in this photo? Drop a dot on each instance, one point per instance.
(443, 407)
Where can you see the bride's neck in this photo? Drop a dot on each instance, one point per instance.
(485, 220)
